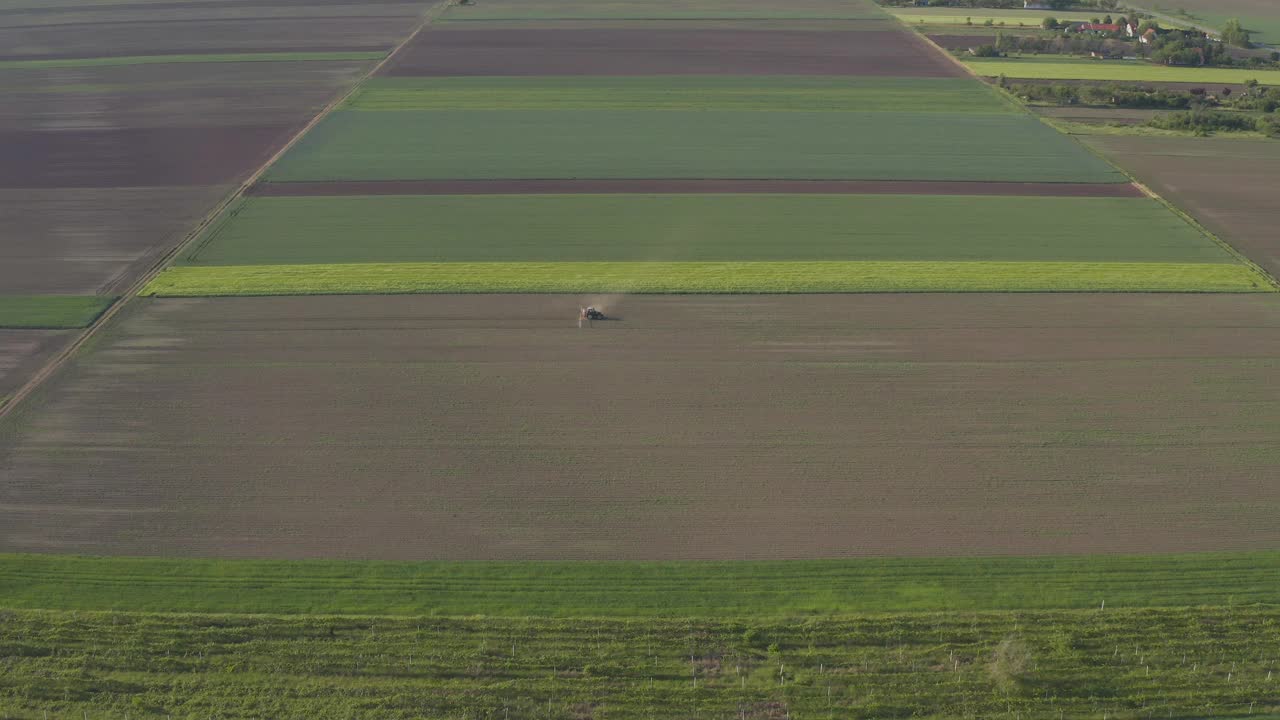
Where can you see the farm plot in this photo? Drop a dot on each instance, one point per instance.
(171, 95)
(101, 236)
(22, 352)
(1084, 69)
(158, 156)
(50, 311)
(623, 51)
(735, 427)
(1261, 17)
(482, 144)
(808, 94)
(202, 37)
(692, 228)
(636, 589)
(1135, 663)
(663, 10)
(1227, 185)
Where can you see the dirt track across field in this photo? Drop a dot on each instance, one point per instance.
(467, 427)
(834, 187)
(666, 52)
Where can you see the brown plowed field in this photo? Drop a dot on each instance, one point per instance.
(23, 351)
(661, 52)
(692, 427)
(533, 187)
(181, 95)
(1228, 185)
(201, 36)
(127, 157)
(961, 42)
(86, 241)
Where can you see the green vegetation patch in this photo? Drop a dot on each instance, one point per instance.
(193, 58)
(480, 144)
(51, 311)
(1060, 68)
(661, 10)
(638, 589)
(699, 228)
(810, 94)
(1184, 663)
(704, 277)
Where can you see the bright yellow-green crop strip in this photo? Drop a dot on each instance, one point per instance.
(705, 277)
(1043, 69)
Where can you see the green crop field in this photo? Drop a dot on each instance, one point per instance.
(478, 144)
(1059, 68)
(687, 228)
(638, 589)
(815, 94)
(662, 10)
(51, 311)
(1200, 662)
(191, 58)
(704, 277)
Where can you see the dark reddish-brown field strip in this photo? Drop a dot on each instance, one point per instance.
(203, 36)
(134, 156)
(834, 187)
(194, 5)
(669, 52)
(165, 52)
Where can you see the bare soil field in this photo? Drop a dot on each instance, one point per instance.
(1228, 185)
(201, 36)
(662, 52)
(689, 427)
(23, 351)
(961, 42)
(144, 96)
(86, 241)
(157, 13)
(1119, 116)
(134, 157)
(531, 187)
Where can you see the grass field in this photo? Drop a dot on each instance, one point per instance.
(810, 94)
(181, 59)
(1120, 664)
(638, 589)
(477, 144)
(698, 228)
(51, 311)
(704, 277)
(1057, 68)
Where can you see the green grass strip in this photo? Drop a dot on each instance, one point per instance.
(704, 277)
(637, 589)
(51, 311)
(194, 58)
(812, 94)
(1065, 69)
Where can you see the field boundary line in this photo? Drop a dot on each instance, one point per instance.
(1148, 191)
(129, 293)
